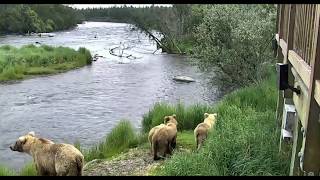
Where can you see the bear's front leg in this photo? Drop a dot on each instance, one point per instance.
(169, 149)
(41, 171)
(174, 142)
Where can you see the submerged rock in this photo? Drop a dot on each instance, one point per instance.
(45, 34)
(183, 79)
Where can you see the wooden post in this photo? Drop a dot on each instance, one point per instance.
(297, 141)
(281, 21)
(280, 60)
(290, 39)
(311, 142)
(277, 20)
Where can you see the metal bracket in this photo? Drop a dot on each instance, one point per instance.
(283, 83)
(300, 155)
(303, 132)
(310, 173)
(297, 91)
(305, 173)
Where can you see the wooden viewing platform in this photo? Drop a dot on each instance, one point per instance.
(299, 47)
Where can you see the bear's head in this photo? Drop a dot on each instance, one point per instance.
(23, 144)
(210, 118)
(170, 119)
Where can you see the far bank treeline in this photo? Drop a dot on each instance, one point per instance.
(175, 23)
(24, 18)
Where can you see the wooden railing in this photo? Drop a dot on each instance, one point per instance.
(285, 22)
(304, 31)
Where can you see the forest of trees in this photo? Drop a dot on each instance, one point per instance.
(24, 18)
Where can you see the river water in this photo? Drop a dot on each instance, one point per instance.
(85, 104)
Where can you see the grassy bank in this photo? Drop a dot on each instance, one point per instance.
(30, 60)
(120, 139)
(6, 171)
(244, 142)
(27, 170)
(188, 117)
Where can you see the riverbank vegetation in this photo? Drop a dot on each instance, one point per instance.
(124, 136)
(27, 170)
(24, 18)
(120, 139)
(29, 60)
(244, 141)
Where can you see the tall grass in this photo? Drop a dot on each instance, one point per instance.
(6, 171)
(187, 117)
(27, 170)
(16, 63)
(244, 142)
(121, 138)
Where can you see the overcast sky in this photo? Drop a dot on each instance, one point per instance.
(82, 6)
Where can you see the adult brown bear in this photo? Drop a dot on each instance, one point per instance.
(51, 159)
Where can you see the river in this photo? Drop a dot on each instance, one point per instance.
(85, 104)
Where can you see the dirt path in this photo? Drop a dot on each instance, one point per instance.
(137, 161)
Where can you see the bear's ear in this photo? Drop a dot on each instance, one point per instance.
(215, 115)
(32, 133)
(22, 139)
(174, 116)
(166, 118)
(206, 115)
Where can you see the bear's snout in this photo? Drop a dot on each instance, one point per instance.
(16, 147)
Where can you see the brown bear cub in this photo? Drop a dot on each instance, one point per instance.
(49, 158)
(201, 131)
(164, 139)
